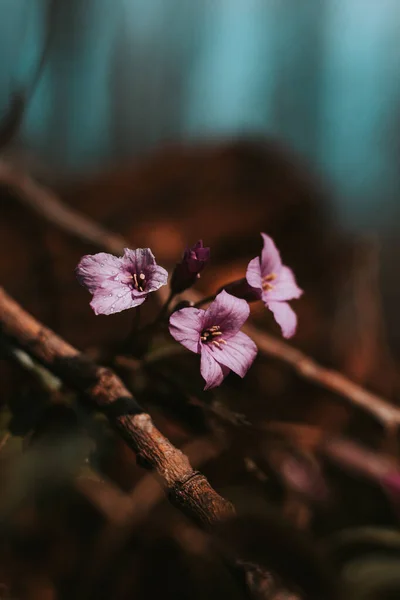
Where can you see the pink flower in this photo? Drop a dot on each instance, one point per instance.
(214, 334)
(276, 284)
(188, 270)
(119, 283)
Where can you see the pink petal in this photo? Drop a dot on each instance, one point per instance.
(94, 270)
(284, 287)
(212, 372)
(270, 258)
(106, 305)
(139, 260)
(285, 317)
(185, 326)
(228, 312)
(156, 277)
(253, 273)
(238, 353)
(105, 302)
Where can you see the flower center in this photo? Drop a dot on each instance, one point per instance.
(211, 335)
(266, 282)
(139, 282)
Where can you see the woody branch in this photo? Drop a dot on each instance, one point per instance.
(187, 489)
(47, 204)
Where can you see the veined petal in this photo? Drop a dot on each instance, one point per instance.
(253, 274)
(228, 312)
(185, 326)
(138, 260)
(270, 258)
(94, 270)
(237, 354)
(284, 287)
(285, 317)
(106, 302)
(156, 277)
(212, 372)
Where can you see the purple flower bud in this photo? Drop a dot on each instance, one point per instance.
(187, 271)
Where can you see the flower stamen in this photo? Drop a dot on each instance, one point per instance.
(266, 285)
(139, 282)
(209, 335)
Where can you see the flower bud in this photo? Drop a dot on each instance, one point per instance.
(188, 270)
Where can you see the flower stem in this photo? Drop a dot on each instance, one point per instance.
(143, 336)
(164, 309)
(205, 300)
(136, 321)
(132, 336)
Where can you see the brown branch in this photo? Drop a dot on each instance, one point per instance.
(187, 489)
(388, 414)
(132, 509)
(124, 511)
(48, 205)
(306, 367)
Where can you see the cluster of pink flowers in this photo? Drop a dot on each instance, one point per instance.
(125, 282)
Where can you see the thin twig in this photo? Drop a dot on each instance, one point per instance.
(388, 414)
(48, 205)
(187, 489)
(135, 509)
(21, 96)
(306, 367)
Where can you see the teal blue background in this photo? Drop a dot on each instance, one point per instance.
(124, 76)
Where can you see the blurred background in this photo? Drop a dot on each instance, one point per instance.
(216, 119)
(125, 76)
(120, 79)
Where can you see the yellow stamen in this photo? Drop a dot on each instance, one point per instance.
(266, 286)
